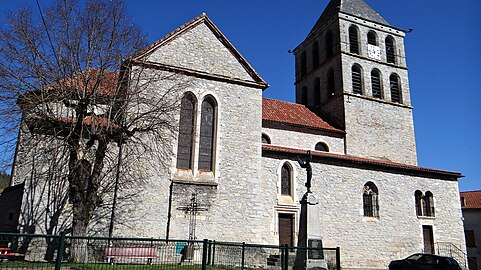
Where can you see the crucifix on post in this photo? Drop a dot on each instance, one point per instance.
(309, 253)
(193, 208)
(307, 165)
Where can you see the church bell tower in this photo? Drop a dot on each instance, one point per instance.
(351, 70)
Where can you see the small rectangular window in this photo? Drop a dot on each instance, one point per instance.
(470, 240)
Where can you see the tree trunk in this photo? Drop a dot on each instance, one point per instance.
(84, 186)
(79, 251)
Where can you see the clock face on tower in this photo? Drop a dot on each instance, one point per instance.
(374, 52)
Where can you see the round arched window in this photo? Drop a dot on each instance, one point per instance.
(266, 139)
(320, 146)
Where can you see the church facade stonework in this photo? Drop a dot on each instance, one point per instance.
(239, 153)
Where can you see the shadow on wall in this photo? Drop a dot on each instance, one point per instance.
(10, 203)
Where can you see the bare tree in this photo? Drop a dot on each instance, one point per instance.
(66, 78)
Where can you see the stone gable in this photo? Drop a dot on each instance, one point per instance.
(199, 49)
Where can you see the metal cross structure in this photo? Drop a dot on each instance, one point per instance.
(193, 208)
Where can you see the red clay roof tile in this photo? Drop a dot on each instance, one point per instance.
(472, 199)
(360, 160)
(293, 114)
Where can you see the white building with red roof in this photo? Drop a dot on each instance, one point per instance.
(471, 206)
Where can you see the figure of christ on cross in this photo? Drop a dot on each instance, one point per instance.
(307, 165)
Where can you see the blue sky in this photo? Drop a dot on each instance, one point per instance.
(443, 57)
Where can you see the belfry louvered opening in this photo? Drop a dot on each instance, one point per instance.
(376, 83)
(353, 40)
(372, 38)
(315, 55)
(329, 44)
(395, 88)
(390, 50)
(356, 79)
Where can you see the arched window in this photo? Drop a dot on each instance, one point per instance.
(266, 139)
(424, 204)
(207, 134)
(186, 132)
(395, 88)
(329, 44)
(428, 204)
(317, 92)
(370, 200)
(418, 197)
(353, 40)
(331, 86)
(376, 83)
(372, 38)
(286, 180)
(303, 63)
(304, 95)
(356, 79)
(315, 54)
(390, 50)
(320, 146)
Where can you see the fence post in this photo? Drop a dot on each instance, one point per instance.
(61, 249)
(209, 252)
(285, 252)
(213, 252)
(243, 254)
(204, 254)
(338, 258)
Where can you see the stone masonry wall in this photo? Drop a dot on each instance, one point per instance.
(233, 187)
(379, 130)
(199, 49)
(370, 242)
(230, 193)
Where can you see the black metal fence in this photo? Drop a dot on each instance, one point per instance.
(59, 252)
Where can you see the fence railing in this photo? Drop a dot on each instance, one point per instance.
(60, 252)
(451, 250)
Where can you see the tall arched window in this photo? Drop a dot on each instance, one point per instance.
(395, 88)
(428, 204)
(356, 79)
(186, 132)
(331, 86)
(418, 197)
(286, 180)
(304, 95)
(353, 40)
(320, 146)
(329, 44)
(317, 92)
(315, 54)
(424, 204)
(376, 83)
(390, 50)
(370, 200)
(207, 134)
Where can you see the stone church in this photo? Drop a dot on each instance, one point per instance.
(236, 153)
